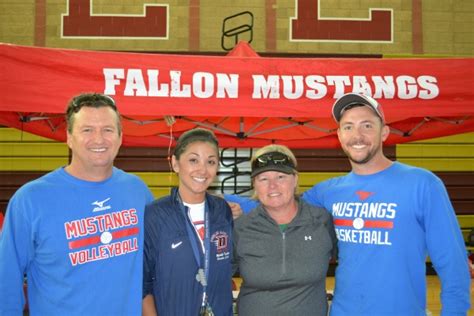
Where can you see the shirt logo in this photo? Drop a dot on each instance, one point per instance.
(176, 245)
(220, 239)
(100, 205)
(363, 195)
(102, 236)
(307, 237)
(364, 222)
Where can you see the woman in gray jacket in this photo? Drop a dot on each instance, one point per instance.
(282, 248)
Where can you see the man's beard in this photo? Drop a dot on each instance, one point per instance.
(367, 158)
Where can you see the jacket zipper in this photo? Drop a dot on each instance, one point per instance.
(283, 262)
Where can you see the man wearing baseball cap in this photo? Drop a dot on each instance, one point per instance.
(388, 217)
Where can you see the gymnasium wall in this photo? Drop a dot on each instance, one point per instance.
(381, 27)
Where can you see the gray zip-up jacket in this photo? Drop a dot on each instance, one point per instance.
(284, 273)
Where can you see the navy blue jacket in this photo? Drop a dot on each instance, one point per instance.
(170, 267)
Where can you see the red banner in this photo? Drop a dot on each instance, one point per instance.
(249, 101)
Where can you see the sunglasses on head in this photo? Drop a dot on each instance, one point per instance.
(92, 99)
(272, 158)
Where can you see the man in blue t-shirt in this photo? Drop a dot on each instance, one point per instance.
(388, 217)
(77, 232)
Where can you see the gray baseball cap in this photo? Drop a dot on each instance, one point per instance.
(355, 99)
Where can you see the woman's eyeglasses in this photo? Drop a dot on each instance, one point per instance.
(272, 158)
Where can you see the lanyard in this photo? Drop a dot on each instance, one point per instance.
(203, 272)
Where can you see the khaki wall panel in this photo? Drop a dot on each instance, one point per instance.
(465, 138)
(33, 149)
(36, 164)
(435, 150)
(441, 164)
(447, 26)
(17, 16)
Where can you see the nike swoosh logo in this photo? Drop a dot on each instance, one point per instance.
(176, 245)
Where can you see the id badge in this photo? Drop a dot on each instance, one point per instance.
(206, 311)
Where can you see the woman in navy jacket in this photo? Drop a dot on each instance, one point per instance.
(188, 247)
